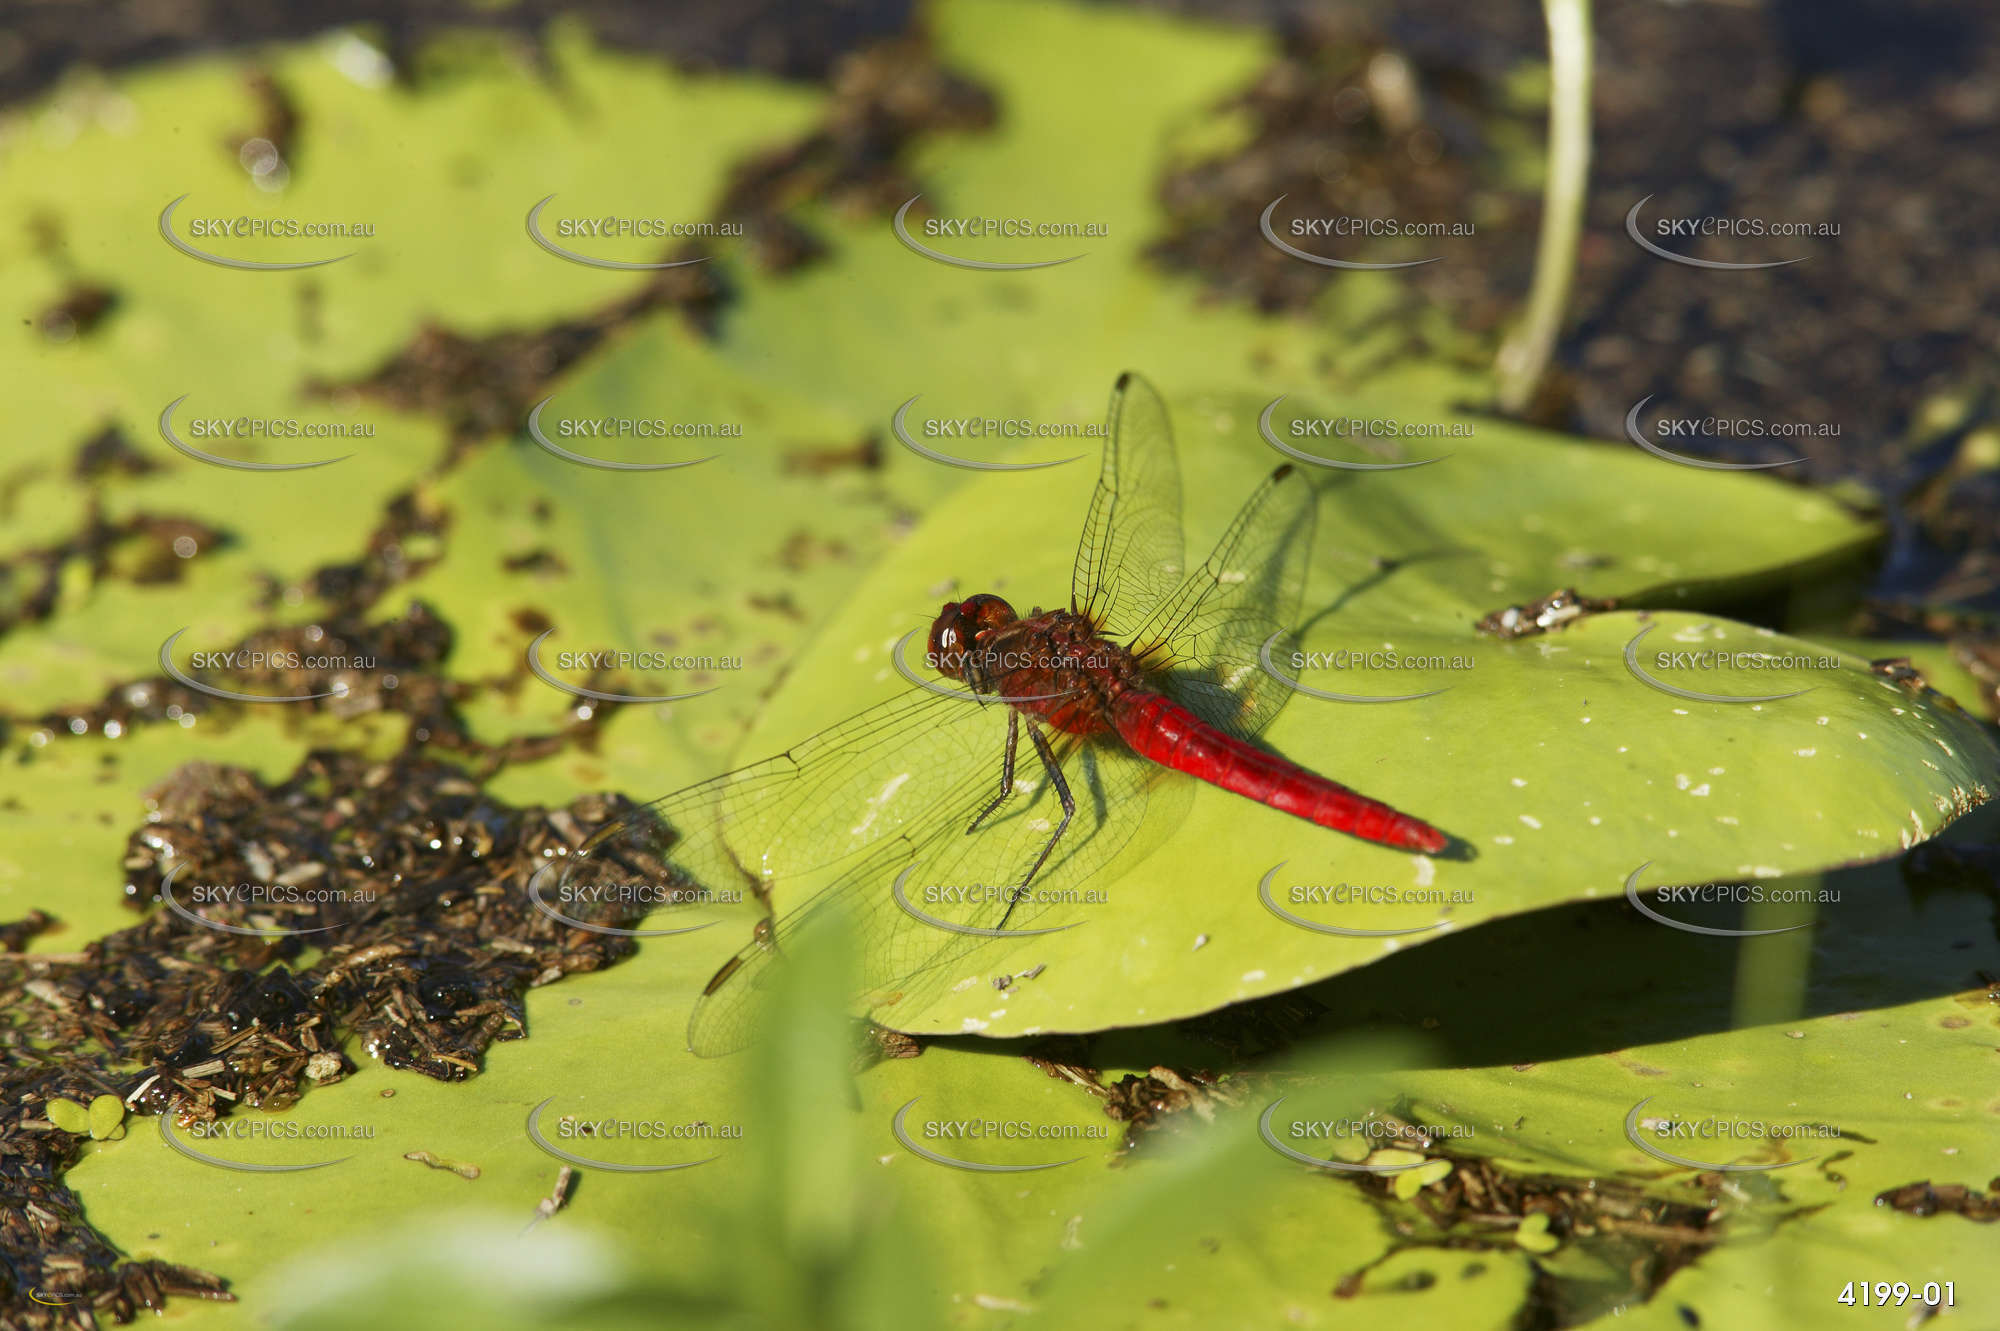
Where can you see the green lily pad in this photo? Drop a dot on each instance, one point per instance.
(1566, 769)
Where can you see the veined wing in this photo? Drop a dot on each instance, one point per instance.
(865, 780)
(923, 905)
(1131, 555)
(1208, 633)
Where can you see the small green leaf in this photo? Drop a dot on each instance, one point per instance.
(1533, 1234)
(1413, 1181)
(69, 1116)
(107, 1118)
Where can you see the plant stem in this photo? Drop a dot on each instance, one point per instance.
(1524, 356)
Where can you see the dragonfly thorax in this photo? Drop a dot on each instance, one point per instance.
(1054, 665)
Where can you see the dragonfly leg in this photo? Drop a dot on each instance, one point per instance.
(1006, 771)
(1054, 770)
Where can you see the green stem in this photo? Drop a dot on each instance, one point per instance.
(1524, 356)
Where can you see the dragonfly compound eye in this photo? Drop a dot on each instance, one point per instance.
(957, 627)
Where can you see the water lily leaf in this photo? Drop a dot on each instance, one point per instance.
(1567, 769)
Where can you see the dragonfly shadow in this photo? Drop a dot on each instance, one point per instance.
(1597, 978)
(1386, 567)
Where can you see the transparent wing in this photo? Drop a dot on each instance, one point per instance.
(868, 779)
(1131, 554)
(914, 902)
(1208, 633)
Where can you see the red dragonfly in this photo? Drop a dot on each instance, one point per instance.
(1150, 668)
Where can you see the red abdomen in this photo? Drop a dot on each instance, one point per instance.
(1170, 735)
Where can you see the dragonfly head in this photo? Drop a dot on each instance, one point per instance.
(958, 627)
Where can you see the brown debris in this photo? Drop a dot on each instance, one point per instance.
(109, 453)
(883, 99)
(1345, 124)
(1924, 1198)
(484, 386)
(425, 952)
(144, 548)
(1899, 671)
(77, 312)
(865, 454)
(1556, 610)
